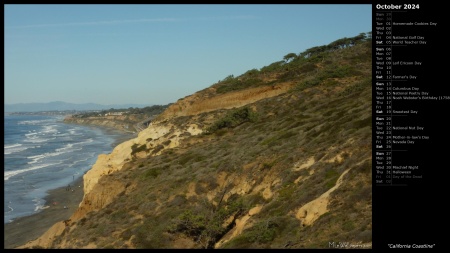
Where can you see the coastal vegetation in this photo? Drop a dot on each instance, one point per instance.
(143, 112)
(290, 170)
(129, 120)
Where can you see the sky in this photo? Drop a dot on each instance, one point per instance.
(156, 54)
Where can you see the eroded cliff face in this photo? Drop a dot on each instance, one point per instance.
(297, 177)
(98, 195)
(207, 101)
(160, 135)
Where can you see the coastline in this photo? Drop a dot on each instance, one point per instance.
(28, 228)
(125, 136)
(121, 135)
(24, 229)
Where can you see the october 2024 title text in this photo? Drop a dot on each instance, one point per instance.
(397, 7)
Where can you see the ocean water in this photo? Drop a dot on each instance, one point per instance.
(43, 153)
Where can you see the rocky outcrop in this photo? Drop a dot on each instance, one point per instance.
(98, 194)
(207, 101)
(311, 211)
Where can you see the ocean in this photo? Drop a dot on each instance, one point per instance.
(43, 153)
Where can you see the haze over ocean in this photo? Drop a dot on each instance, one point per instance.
(43, 153)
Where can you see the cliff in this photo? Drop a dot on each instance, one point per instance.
(123, 123)
(276, 158)
(202, 102)
(98, 195)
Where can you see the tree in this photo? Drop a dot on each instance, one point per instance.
(289, 57)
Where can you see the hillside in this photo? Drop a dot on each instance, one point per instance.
(129, 120)
(279, 157)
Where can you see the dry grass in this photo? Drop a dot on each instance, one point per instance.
(232, 170)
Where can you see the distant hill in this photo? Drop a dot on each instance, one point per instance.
(62, 106)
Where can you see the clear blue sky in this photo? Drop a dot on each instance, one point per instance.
(156, 54)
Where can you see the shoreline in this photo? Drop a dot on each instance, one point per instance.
(28, 228)
(121, 135)
(124, 136)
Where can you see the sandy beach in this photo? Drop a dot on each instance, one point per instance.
(24, 229)
(31, 227)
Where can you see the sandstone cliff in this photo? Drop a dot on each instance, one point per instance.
(295, 177)
(207, 101)
(97, 196)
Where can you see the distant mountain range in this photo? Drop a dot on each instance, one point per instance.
(63, 106)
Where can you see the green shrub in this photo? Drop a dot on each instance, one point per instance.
(348, 226)
(233, 119)
(331, 175)
(363, 123)
(152, 173)
(262, 232)
(236, 84)
(357, 87)
(205, 222)
(158, 148)
(190, 156)
(136, 149)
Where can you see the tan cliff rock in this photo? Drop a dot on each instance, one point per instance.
(163, 132)
(201, 102)
(311, 211)
(96, 195)
(308, 154)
